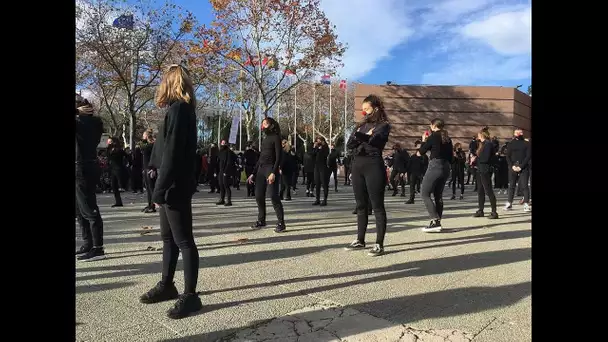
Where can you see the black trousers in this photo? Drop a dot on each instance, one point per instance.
(263, 190)
(521, 179)
(333, 171)
(137, 183)
(236, 179)
(321, 180)
(115, 179)
(415, 180)
(294, 179)
(250, 187)
(225, 181)
(303, 177)
(471, 172)
(150, 183)
(501, 177)
(213, 180)
(433, 183)
(346, 174)
(457, 176)
(176, 233)
(310, 178)
(87, 212)
(369, 181)
(286, 184)
(484, 181)
(396, 177)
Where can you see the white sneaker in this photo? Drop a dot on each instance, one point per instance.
(527, 207)
(508, 206)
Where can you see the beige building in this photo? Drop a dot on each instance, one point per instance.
(465, 110)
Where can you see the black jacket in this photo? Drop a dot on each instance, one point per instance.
(147, 155)
(415, 165)
(137, 159)
(174, 155)
(270, 153)
(518, 153)
(226, 162)
(473, 145)
(369, 145)
(88, 135)
(332, 159)
(289, 164)
(485, 159)
(321, 153)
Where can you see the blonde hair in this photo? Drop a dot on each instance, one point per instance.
(485, 133)
(286, 145)
(175, 85)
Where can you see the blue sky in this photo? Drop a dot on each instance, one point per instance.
(453, 42)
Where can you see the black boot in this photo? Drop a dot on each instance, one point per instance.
(323, 203)
(186, 304)
(280, 227)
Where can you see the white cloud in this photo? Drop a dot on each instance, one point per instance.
(508, 33)
(371, 28)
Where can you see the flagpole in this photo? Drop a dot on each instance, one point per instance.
(241, 119)
(330, 111)
(295, 117)
(345, 108)
(314, 108)
(260, 121)
(219, 117)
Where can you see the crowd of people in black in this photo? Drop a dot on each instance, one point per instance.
(169, 167)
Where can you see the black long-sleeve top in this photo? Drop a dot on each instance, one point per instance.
(227, 161)
(309, 161)
(251, 158)
(518, 153)
(270, 153)
(137, 158)
(400, 160)
(332, 159)
(174, 152)
(146, 155)
(439, 149)
(116, 158)
(289, 163)
(485, 157)
(369, 145)
(473, 145)
(459, 160)
(88, 135)
(321, 153)
(416, 165)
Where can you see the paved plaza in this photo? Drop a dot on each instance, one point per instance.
(471, 282)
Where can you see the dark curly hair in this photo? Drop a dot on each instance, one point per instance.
(379, 115)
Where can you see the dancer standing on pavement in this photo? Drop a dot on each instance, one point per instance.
(485, 157)
(332, 165)
(174, 156)
(226, 170)
(415, 170)
(116, 159)
(321, 152)
(266, 175)
(437, 173)
(289, 165)
(458, 164)
(368, 172)
(518, 157)
(397, 177)
(308, 169)
(149, 170)
(89, 129)
(251, 159)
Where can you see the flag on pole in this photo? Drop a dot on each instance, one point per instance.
(290, 71)
(125, 21)
(325, 79)
(343, 84)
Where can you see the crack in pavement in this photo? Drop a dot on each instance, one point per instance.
(327, 321)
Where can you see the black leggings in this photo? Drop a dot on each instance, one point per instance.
(457, 176)
(321, 180)
(224, 184)
(286, 184)
(150, 183)
(176, 232)
(310, 177)
(484, 179)
(115, 181)
(434, 182)
(369, 181)
(250, 187)
(396, 176)
(414, 179)
(263, 189)
(87, 211)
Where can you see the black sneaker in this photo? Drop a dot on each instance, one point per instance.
(258, 225)
(228, 204)
(453, 197)
(478, 213)
(493, 216)
(433, 227)
(355, 212)
(145, 209)
(83, 250)
(461, 197)
(220, 202)
(355, 245)
(403, 194)
(323, 203)
(288, 199)
(96, 253)
(317, 202)
(394, 193)
(159, 293)
(410, 202)
(116, 205)
(186, 304)
(150, 210)
(280, 227)
(376, 251)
